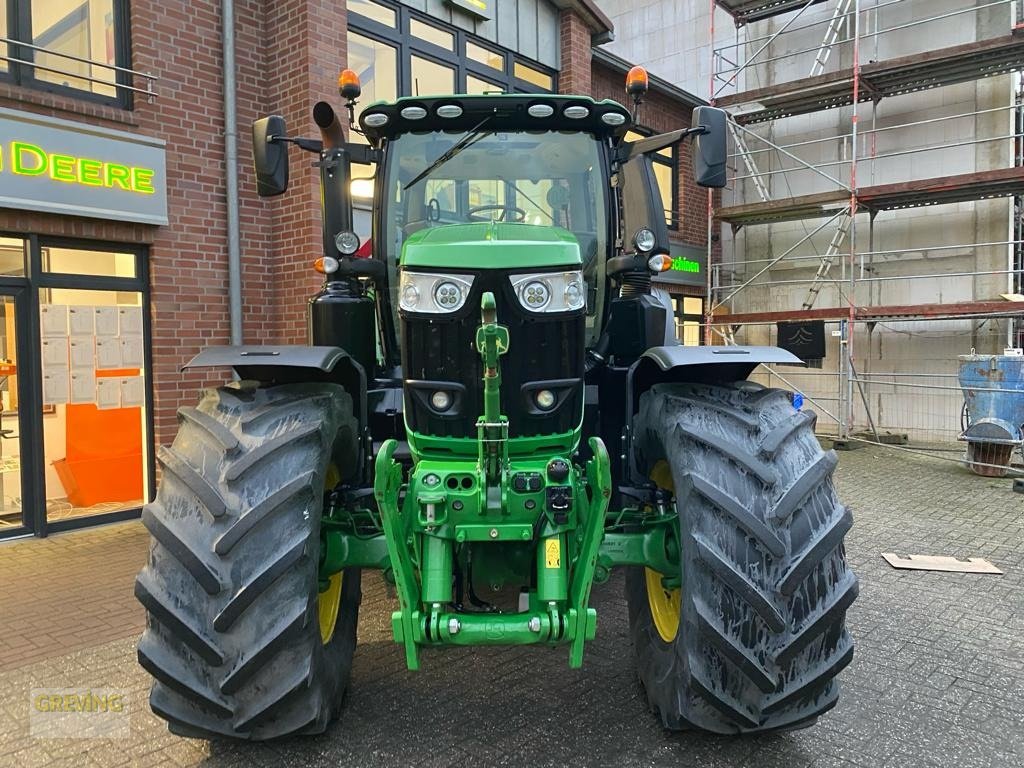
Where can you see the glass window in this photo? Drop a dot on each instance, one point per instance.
(10, 419)
(432, 58)
(522, 178)
(3, 33)
(372, 11)
(74, 261)
(376, 63)
(477, 86)
(534, 76)
(485, 56)
(12, 257)
(85, 30)
(94, 395)
(689, 319)
(432, 34)
(430, 78)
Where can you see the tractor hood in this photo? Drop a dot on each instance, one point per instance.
(491, 245)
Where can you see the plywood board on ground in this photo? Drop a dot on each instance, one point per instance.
(939, 563)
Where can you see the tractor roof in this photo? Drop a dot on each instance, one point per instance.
(508, 112)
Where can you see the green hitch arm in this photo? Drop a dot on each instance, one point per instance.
(599, 478)
(492, 428)
(386, 483)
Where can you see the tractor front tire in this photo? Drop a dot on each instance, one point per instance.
(239, 639)
(754, 635)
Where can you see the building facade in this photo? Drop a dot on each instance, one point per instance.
(114, 215)
(874, 193)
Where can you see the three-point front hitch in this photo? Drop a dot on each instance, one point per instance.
(526, 516)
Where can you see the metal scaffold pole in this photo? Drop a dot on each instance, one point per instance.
(846, 428)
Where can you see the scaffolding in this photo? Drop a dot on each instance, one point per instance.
(824, 62)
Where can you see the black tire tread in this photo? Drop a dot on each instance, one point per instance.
(765, 580)
(231, 640)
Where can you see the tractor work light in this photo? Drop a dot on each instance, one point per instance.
(347, 243)
(441, 400)
(576, 112)
(449, 111)
(550, 291)
(613, 118)
(375, 119)
(540, 110)
(545, 399)
(413, 113)
(429, 292)
(644, 240)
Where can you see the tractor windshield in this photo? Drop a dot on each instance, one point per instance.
(536, 178)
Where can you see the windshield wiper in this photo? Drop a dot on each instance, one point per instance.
(468, 139)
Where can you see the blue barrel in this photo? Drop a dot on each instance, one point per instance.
(993, 387)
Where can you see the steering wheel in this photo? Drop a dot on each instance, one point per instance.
(472, 213)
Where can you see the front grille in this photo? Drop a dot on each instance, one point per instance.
(541, 348)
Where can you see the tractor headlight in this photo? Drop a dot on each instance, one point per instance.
(550, 291)
(347, 243)
(433, 293)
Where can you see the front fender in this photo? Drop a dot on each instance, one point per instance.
(290, 364)
(704, 364)
(730, 363)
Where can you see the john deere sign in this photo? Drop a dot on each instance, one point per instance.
(58, 166)
(688, 266)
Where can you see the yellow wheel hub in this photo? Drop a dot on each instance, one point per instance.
(664, 603)
(329, 602)
(328, 605)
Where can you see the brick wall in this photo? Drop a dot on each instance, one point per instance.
(289, 53)
(574, 76)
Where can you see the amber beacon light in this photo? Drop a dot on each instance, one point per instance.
(637, 82)
(348, 85)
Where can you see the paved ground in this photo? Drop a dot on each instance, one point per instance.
(937, 679)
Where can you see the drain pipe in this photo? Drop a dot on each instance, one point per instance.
(231, 172)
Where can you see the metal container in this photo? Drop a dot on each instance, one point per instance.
(993, 387)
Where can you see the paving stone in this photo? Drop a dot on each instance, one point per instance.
(936, 679)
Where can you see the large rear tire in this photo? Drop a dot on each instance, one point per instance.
(755, 635)
(239, 639)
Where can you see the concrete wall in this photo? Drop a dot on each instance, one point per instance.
(669, 37)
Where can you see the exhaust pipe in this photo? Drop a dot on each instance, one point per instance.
(330, 127)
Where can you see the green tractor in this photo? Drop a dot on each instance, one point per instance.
(494, 414)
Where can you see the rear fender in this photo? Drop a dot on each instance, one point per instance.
(704, 364)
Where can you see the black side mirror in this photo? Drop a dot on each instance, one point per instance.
(709, 147)
(270, 155)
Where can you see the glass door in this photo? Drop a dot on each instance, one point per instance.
(15, 514)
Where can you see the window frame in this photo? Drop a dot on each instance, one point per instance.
(401, 37)
(19, 28)
(34, 281)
